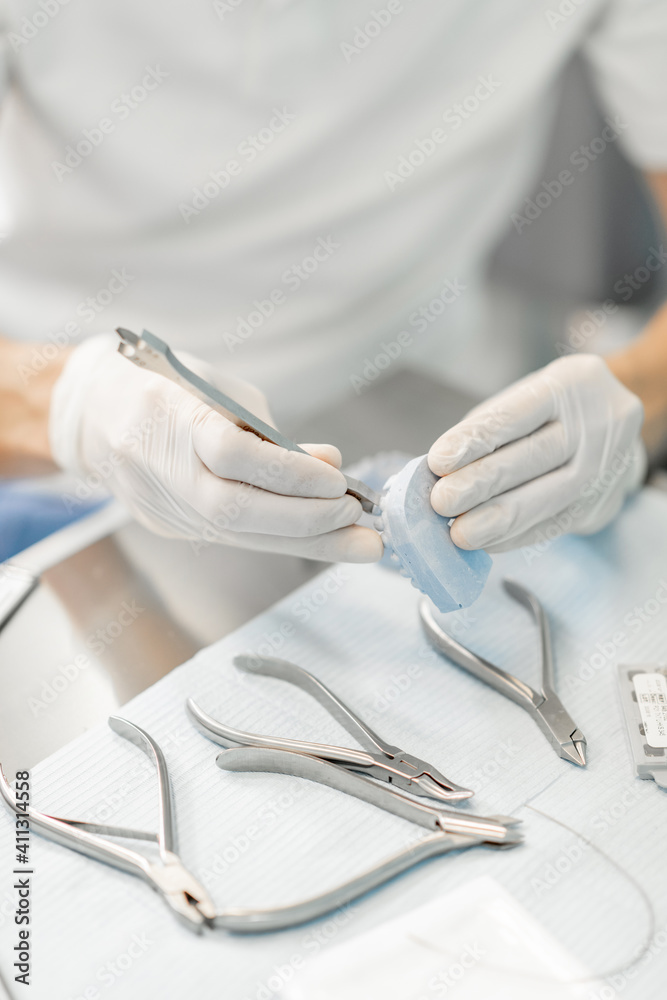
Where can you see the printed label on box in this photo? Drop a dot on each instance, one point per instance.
(651, 692)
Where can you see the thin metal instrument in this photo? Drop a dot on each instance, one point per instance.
(168, 876)
(378, 760)
(450, 831)
(498, 830)
(149, 352)
(542, 704)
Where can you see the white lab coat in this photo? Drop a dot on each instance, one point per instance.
(301, 190)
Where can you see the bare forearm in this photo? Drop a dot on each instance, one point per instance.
(642, 368)
(27, 378)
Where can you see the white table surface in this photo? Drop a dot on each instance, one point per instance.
(264, 839)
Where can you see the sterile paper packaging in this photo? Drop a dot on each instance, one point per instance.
(475, 943)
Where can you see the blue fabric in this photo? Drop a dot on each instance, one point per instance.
(28, 516)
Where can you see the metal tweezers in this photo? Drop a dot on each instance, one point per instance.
(149, 352)
(543, 704)
(378, 760)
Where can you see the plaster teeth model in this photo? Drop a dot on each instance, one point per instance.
(417, 541)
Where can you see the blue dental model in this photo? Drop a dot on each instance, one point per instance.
(419, 543)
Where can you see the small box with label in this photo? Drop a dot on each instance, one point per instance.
(644, 699)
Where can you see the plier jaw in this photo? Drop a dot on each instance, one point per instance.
(575, 748)
(378, 759)
(560, 729)
(182, 892)
(165, 873)
(419, 777)
(542, 703)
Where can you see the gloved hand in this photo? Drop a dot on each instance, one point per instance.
(185, 471)
(558, 451)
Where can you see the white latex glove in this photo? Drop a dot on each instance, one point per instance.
(184, 471)
(558, 451)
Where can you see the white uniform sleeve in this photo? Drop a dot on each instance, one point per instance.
(627, 54)
(4, 50)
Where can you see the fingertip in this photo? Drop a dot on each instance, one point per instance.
(435, 462)
(328, 481)
(444, 456)
(316, 473)
(351, 544)
(441, 500)
(326, 453)
(458, 535)
(361, 545)
(351, 509)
